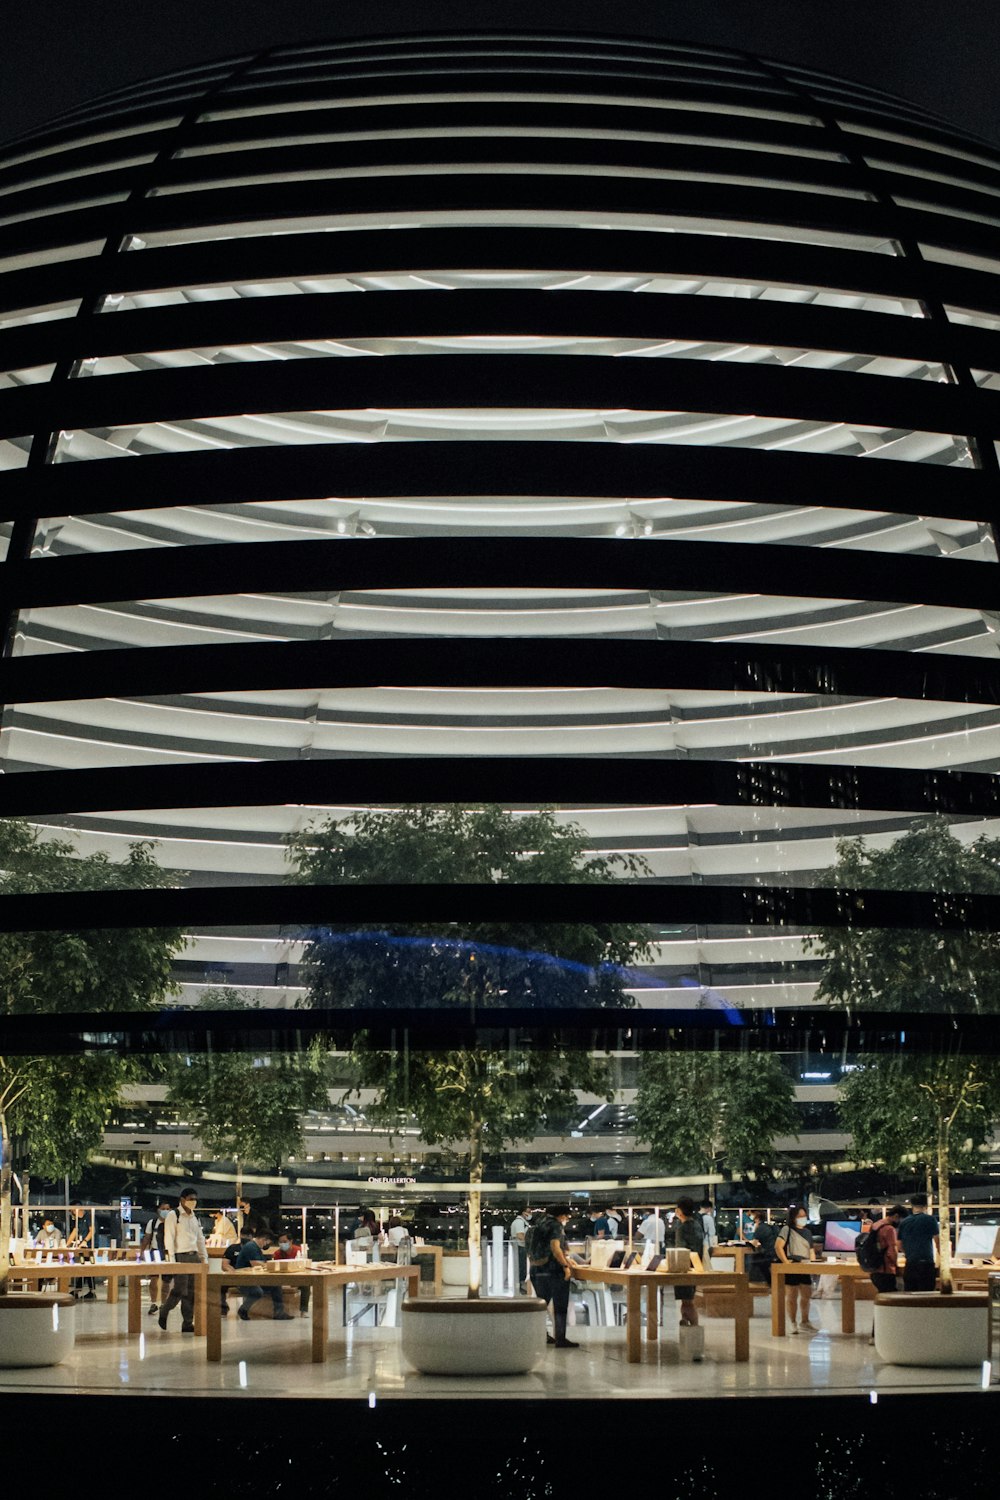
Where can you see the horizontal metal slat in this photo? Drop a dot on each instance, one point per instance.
(498, 381)
(655, 665)
(555, 780)
(606, 470)
(495, 562)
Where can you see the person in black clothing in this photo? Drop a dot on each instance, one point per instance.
(762, 1239)
(550, 1268)
(688, 1235)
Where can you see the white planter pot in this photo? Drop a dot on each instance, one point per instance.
(455, 1270)
(917, 1328)
(36, 1328)
(481, 1336)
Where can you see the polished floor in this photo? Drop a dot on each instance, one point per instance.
(365, 1363)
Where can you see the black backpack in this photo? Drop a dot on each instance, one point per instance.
(869, 1250)
(537, 1241)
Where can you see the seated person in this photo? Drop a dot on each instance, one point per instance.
(287, 1249)
(249, 1257)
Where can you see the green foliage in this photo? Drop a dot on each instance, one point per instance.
(247, 1106)
(502, 1096)
(898, 1110)
(938, 1110)
(55, 1108)
(909, 969)
(714, 1111)
(461, 963)
(465, 1094)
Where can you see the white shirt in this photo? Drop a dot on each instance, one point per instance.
(400, 1232)
(653, 1230)
(182, 1234)
(708, 1225)
(518, 1228)
(53, 1241)
(613, 1223)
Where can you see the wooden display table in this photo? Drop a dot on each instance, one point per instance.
(319, 1279)
(848, 1272)
(635, 1282)
(133, 1272)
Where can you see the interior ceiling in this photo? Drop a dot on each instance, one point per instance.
(776, 293)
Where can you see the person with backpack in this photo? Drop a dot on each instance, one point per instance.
(877, 1249)
(551, 1270)
(794, 1243)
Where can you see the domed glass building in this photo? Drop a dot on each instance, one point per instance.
(525, 419)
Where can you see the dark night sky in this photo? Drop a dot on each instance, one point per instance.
(942, 54)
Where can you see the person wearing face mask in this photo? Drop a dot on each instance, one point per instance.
(152, 1239)
(184, 1240)
(287, 1249)
(49, 1237)
(794, 1243)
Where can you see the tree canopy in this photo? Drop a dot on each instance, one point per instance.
(934, 1110)
(473, 1099)
(248, 1106)
(911, 969)
(53, 1109)
(714, 1111)
(547, 963)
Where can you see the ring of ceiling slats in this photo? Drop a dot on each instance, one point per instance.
(496, 294)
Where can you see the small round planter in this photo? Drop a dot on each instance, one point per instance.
(477, 1336)
(918, 1328)
(36, 1329)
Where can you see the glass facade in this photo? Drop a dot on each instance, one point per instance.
(546, 697)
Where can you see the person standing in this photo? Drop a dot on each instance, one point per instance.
(518, 1230)
(689, 1234)
(762, 1238)
(653, 1231)
(49, 1237)
(152, 1239)
(184, 1240)
(81, 1241)
(793, 1244)
(711, 1233)
(614, 1219)
(887, 1242)
(223, 1228)
(551, 1270)
(920, 1236)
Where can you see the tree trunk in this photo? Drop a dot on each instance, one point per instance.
(5, 1214)
(944, 1207)
(475, 1207)
(930, 1187)
(239, 1195)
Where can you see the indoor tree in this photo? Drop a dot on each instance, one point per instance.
(474, 1100)
(55, 1107)
(247, 1106)
(938, 1109)
(714, 1111)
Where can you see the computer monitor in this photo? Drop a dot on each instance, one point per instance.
(976, 1239)
(839, 1235)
